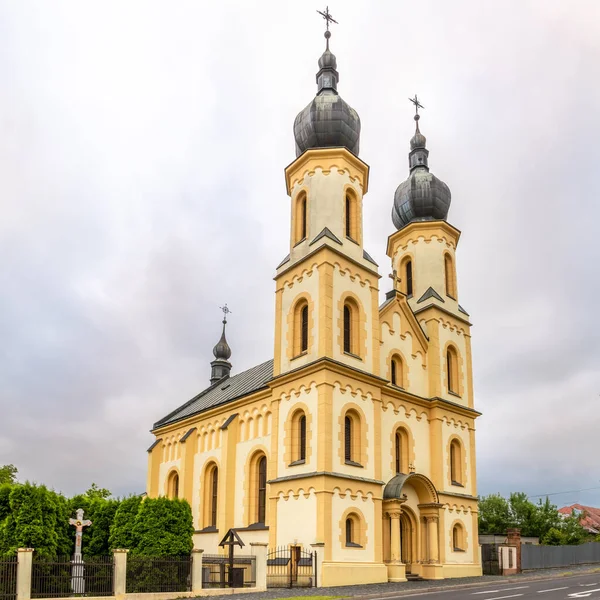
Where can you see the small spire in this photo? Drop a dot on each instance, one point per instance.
(329, 19)
(221, 367)
(327, 77)
(418, 152)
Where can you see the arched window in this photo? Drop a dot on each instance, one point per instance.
(214, 497)
(452, 370)
(352, 532)
(396, 371)
(300, 338)
(304, 329)
(351, 218)
(349, 531)
(352, 438)
(456, 474)
(450, 276)
(262, 489)
(348, 438)
(298, 437)
(350, 324)
(300, 215)
(458, 543)
(302, 436)
(401, 451)
(173, 485)
(347, 328)
(409, 278)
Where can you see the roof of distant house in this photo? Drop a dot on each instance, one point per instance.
(589, 516)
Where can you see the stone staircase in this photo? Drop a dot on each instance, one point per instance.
(414, 577)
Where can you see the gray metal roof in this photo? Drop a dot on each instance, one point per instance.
(430, 293)
(222, 392)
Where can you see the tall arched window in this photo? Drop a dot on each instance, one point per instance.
(452, 370)
(214, 497)
(348, 438)
(262, 489)
(401, 451)
(352, 438)
(173, 485)
(351, 222)
(350, 325)
(300, 226)
(450, 276)
(304, 329)
(458, 543)
(298, 436)
(300, 334)
(302, 438)
(409, 278)
(347, 328)
(396, 371)
(456, 475)
(349, 531)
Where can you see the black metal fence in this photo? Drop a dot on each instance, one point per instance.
(217, 572)
(164, 574)
(292, 566)
(62, 576)
(490, 559)
(8, 578)
(547, 557)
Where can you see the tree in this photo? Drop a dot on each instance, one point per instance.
(494, 514)
(121, 530)
(163, 527)
(37, 520)
(95, 492)
(96, 543)
(8, 474)
(554, 537)
(524, 514)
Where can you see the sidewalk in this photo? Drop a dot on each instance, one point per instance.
(379, 590)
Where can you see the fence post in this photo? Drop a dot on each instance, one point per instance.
(120, 573)
(196, 570)
(24, 567)
(319, 549)
(513, 538)
(259, 550)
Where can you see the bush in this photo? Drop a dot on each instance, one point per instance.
(121, 531)
(163, 527)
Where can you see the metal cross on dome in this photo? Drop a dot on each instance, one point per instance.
(226, 312)
(327, 16)
(417, 104)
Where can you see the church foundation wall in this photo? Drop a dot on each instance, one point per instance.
(335, 574)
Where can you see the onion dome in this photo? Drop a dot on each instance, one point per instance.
(422, 197)
(328, 121)
(221, 367)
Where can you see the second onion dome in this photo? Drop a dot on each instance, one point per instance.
(328, 121)
(422, 197)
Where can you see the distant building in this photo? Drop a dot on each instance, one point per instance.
(589, 517)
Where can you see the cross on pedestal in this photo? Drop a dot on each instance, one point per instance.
(394, 277)
(77, 580)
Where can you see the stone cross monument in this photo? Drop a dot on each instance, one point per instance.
(77, 580)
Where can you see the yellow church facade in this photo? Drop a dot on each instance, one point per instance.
(358, 437)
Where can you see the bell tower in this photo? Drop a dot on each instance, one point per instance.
(327, 286)
(422, 252)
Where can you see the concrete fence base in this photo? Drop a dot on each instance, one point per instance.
(25, 568)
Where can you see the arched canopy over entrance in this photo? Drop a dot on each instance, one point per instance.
(422, 485)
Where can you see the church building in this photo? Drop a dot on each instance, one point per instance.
(358, 436)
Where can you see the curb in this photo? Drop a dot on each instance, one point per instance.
(441, 588)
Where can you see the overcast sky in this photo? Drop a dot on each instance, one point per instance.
(142, 148)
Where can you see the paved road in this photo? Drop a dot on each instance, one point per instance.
(557, 588)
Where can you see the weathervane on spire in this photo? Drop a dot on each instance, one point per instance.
(329, 19)
(226, 312)
(417, 104)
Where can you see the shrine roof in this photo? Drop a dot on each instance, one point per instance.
(223, 391)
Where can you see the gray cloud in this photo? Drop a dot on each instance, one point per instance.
(142, 149)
